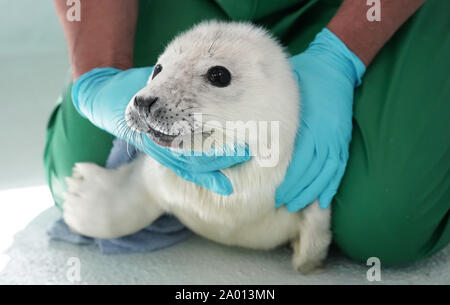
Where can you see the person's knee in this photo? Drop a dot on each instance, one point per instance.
(378, 227)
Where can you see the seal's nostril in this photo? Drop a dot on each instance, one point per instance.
(144, 102)
(138, 101)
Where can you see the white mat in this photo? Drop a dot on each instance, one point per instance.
(35, 260)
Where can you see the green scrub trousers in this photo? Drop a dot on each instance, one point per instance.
(394, 200)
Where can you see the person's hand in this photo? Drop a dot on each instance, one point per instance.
(328, 73)
(102, 95)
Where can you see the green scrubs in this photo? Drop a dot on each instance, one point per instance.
(394, 200)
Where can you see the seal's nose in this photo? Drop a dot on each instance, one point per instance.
(144, 103)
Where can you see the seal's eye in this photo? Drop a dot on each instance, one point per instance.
(218, 76)
(156, 70)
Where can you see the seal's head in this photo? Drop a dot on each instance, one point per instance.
(223, 71)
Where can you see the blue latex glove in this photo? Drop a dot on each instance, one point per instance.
(328, 73)
(102, 95)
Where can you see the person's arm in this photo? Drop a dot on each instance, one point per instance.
(104, 37)
(366, 38)
(328, 72)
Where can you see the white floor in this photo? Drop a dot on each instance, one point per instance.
(32, 259)
(33, 68)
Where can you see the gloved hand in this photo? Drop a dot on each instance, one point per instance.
(328, 73)
(102, 95)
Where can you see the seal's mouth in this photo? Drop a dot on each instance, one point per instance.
(166, 140)
(160, 138)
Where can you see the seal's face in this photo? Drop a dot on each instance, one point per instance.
(223, 71)
(165, 112)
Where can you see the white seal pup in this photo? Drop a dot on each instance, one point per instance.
(228, 72)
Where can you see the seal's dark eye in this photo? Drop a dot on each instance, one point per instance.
(218, 76)
(156, 70)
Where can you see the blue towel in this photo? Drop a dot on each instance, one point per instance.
(163, 232)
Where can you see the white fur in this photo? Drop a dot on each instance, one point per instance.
(111, 203)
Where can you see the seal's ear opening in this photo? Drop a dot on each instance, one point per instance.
(218, 76)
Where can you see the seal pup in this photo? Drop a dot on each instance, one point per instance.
(227, 72)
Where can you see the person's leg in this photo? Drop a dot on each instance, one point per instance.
(394, 200)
